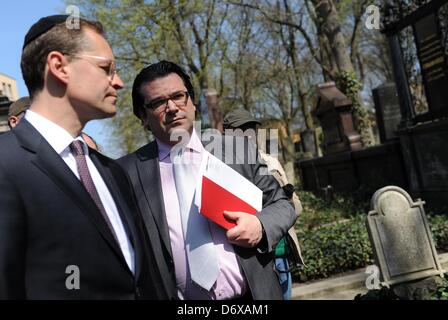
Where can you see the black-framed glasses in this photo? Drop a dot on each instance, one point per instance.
(108, 65)
(180, 99)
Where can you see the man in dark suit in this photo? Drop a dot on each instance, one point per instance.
(69, 227)
(238, 263)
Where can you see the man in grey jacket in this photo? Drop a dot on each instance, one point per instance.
(243, 255)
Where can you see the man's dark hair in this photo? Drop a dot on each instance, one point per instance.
(155, 71)
(58, 38)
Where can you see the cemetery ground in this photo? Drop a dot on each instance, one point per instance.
(336, 248)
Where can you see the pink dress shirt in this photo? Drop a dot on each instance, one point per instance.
(230, 283)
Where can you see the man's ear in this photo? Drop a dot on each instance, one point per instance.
(57, 66)
(144, 120)
(12, 121)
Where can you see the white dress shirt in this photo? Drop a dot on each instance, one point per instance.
(60, 140)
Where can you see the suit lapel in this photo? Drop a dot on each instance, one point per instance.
(149, 175)
(49, 162)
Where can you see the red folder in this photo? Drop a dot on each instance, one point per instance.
(215, 199)
(221, 188)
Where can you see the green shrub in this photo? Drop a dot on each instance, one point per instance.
(334, 238)
(317, 211)
(439, 228)
(442, 291)
(333, 249)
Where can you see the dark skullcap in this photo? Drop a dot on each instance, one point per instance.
(42, 26)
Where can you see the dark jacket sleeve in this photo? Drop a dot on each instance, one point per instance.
(277, 215)
(12, 239)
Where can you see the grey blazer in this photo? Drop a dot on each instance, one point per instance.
(277, 216)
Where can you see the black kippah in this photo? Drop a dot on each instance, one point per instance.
(42, 26)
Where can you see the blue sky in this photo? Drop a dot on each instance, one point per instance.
(16, 17)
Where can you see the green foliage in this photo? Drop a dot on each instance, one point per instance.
(442, 291)
(349, 84)
(258, 56)
(318, 211)
(334, 238)
(439, 229)
(334, 248)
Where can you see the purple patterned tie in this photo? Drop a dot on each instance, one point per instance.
(76, 147)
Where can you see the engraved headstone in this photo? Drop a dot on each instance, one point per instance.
(387, 108)
(401, 239)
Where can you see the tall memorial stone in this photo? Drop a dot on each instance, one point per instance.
(308, 141)
(401, 239)
(387, 109)
(215, 115)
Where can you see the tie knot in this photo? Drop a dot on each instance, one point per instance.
(77, 148)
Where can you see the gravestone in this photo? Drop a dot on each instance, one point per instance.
(334, 112)
(309, 142)
(387, 109)
(215, 115)
(401, 239)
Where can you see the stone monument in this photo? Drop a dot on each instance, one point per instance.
(401, 239)
(387, 109)
(334, 111)
(215, 115)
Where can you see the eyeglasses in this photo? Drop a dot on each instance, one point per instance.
(110, 69)
(179, 98)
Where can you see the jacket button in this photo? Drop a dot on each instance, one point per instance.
(137, 292)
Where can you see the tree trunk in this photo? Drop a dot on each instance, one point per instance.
(330, 23)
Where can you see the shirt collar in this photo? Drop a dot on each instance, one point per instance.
(58, 138)
(193, 144)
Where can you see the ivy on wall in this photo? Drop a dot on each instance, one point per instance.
(348, 83)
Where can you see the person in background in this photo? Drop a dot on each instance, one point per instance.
(287, 251)
(17, 111)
